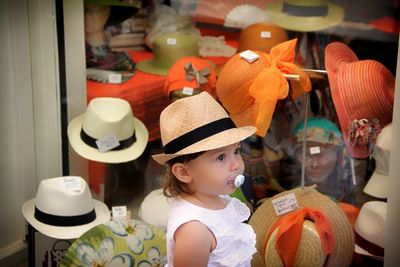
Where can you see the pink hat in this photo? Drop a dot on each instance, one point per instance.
(363, 95)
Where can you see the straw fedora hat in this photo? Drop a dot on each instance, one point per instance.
(64, 208)
(305, 15)
(378, 182)
(167, 49)
(370, 229)
(261, 37)
(194, 74)
(363, 96)
(111, 121)
(195, 124)
(309, 252)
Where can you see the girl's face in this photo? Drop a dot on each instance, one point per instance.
(213, 172)
(321, 160)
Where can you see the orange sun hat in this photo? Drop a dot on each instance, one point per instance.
(250, 90)
(192, 72)
(363, 96)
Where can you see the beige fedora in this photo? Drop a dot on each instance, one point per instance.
(195, 124)
(167, 49)
(64, 208)
(309, 252)
(305, 15)
(108, 120)
(377, 184)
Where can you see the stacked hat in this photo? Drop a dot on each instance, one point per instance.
(251, 82)
(167, 49)
(108, 132)
(305, 15)
(363, 95)
(64, 209)
(302, 227)
(189, 76)
(377, 184)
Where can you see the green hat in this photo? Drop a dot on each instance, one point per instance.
(319, 130)
(305, 15)
(167, 49)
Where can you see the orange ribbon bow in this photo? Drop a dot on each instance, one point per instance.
(290, 229)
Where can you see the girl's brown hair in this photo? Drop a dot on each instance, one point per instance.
(172, 186)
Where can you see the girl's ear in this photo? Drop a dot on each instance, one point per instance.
(180, 170)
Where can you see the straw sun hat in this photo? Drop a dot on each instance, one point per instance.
(338, 232)
(363, 96)
(63, 208)
(108, 120)
(305, 15)
(195, 124)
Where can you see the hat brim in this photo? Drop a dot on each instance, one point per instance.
(377, 185)
(304, 24)
(361, 251)
(117, 156)
(148, 67)
(64, 232)
(218, 140)
(265, 217)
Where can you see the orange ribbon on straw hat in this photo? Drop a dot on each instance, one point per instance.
(290, 229)
(265, 88)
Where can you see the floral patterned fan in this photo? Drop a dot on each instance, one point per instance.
(119, 243)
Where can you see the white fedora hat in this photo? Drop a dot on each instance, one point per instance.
(64, 208)
(370, 229)
(108, 121)
(377, 184)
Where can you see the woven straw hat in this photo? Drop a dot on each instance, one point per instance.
(305, 15)
(360, 89)
(105, 118)
(195, 124)
(167, 49)
(309, 251)
(261, 37)
(191, 72)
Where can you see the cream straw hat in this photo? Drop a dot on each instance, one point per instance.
(108, 117)
(195, 124)
(309, 250)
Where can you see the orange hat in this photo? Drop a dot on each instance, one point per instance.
(250, 91)
(193, 72)
(261, 37)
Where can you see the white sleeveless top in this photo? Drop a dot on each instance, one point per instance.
(235, 240)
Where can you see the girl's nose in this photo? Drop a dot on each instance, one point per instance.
(237, 164)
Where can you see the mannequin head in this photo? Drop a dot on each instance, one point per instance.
(96, 17)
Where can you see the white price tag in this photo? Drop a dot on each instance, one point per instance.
(171, 41)
(249, 56)
(71, 183)
(187, 90)
(285, 204)
(265, 34)
(107, 143)
(119, 212)
(114, 78)
(315, 150)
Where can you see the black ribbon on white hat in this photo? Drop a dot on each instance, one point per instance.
(198, 134)
(57, 220)
(90, 141)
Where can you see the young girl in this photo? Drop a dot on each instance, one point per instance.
(202, 153)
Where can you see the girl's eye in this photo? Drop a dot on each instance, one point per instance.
(221, 157)
(237, 151)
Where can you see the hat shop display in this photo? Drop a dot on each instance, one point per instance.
(64, 209)
(189, 76)
(302, 227)
(167, 49)
(363, 96)
(370, 229)
(305, 15)
(195, 124)
(261, 36)
(108, 132)
(251, 82)
(378, 182)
